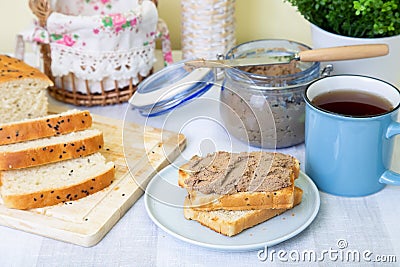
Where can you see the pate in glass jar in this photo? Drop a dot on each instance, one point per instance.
(264, 105)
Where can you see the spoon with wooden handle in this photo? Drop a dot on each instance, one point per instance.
(273, 57)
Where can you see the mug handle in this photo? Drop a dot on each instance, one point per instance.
(391, 177)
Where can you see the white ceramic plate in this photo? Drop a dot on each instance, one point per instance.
(164, 199)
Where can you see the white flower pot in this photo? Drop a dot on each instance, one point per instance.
(386, 68)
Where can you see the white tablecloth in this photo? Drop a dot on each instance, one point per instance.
(369, 225)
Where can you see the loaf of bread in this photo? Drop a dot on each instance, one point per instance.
(22, 89)
(50, 149)
(240, 181)
(54, 183)
(46, 126)
(231, 223)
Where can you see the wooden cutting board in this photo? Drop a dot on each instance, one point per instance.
(86, 221)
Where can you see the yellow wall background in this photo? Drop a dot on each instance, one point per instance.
(255, 19)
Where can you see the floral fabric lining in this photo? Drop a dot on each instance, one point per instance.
(103, 45)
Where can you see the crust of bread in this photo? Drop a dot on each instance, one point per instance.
(55, 196)
(279, 199)
(44, 127)
(52, 153)
(183, 175)
(249, 219)
(17, 69)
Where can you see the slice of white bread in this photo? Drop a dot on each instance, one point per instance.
(46, 126)
(276, 199)
(23, 90)
(279, 199)
(55, 183)
(51, 149)
(231, 223)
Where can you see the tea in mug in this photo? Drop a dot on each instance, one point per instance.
(352, 103)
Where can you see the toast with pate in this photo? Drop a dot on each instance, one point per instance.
(240, 181)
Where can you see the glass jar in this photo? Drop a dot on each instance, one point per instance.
(264, 106)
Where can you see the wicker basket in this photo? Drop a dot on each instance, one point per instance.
(80, 91)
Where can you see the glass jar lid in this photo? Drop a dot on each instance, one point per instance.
(170, 87)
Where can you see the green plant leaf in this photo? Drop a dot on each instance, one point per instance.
(360, 18)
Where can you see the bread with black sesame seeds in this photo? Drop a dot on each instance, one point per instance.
(51, 149)
(46, 126)
(23, 90)
(56, 183)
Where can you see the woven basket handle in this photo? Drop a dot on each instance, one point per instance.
(41, 9)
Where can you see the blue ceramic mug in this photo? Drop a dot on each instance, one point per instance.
(349, 155)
